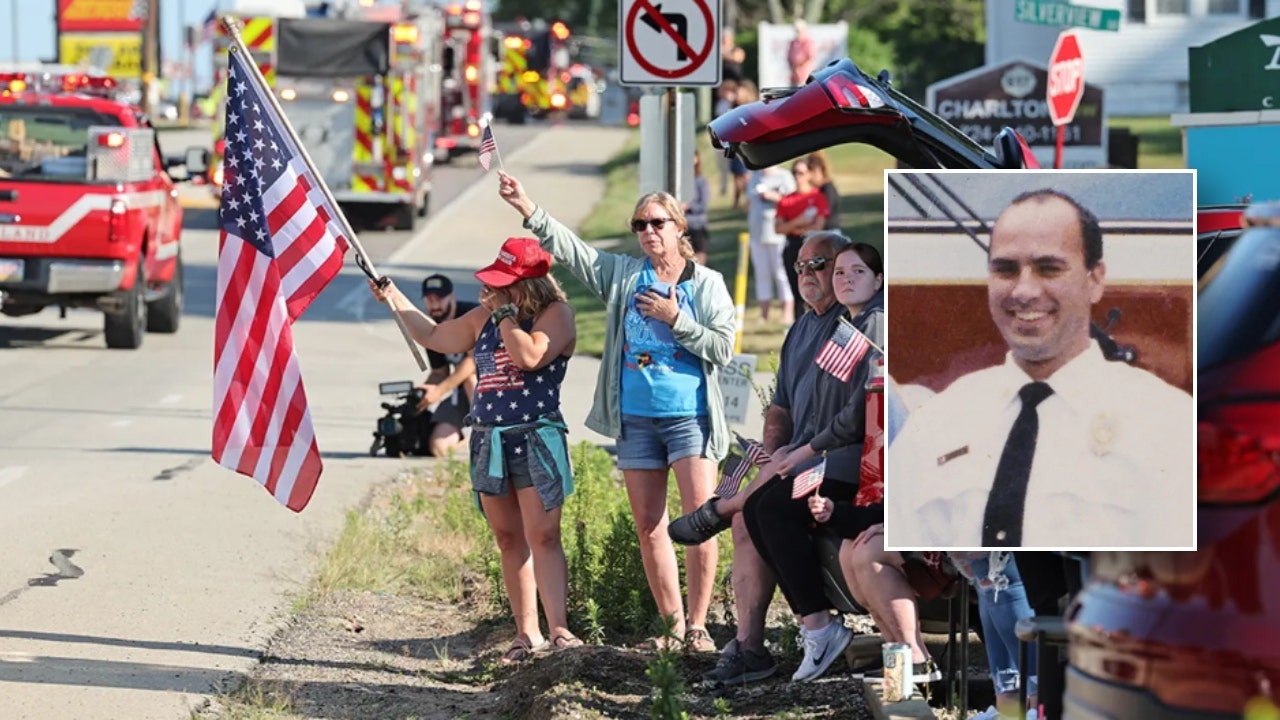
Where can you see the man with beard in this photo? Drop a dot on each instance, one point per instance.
(453, 376)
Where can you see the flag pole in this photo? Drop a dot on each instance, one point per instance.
(232, 24)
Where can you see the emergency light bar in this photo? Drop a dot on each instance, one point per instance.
(83, 83)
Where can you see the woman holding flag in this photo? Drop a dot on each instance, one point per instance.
(838, 491)
(670, 327)
(523, 335)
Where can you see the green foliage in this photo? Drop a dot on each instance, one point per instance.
(722, 707)
(667, 676)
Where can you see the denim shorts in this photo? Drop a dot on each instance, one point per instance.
(655, 443)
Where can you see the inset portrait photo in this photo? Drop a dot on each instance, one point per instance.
(1042, 326)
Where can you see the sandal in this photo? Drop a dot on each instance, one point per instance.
(661, 643)
(520, 651)
(698, 640)
(564, 642)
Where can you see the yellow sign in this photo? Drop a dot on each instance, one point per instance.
(118, 54)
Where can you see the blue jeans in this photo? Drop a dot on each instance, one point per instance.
(1002, 602)
(650, 443)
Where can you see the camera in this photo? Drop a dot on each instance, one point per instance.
(403, 430)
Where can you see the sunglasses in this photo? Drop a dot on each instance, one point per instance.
(638, 225)
(816, 265)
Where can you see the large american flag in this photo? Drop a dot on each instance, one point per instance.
(280, 244)
(840, 355)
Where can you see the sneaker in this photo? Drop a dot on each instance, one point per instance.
(738, 667)
(821, 648)
(926, 672)
(698, 526)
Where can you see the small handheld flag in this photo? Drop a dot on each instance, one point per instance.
(488, 149)
(840, 355)
(808, 481)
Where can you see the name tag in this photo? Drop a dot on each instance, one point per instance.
(948, 457)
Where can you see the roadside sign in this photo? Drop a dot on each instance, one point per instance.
(1066, 78)
(737, 388)
(669, 42)
(1053, 12)
(117, 54)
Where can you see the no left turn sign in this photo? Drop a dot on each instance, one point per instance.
(669, 42)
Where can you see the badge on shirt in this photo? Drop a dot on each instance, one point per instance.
(948, 457)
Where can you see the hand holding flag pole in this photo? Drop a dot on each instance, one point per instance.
(233, 27)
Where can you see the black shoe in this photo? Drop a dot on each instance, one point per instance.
(698, 526)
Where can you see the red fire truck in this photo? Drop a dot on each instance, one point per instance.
(467, 69)
(89, 216)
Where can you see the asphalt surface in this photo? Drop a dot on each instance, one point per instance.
(137, 576)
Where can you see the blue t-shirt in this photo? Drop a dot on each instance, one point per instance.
(660, 378)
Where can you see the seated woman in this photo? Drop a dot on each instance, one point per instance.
(780, 525)
(523, 335)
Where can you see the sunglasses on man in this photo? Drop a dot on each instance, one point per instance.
(638, 225)
(815, 265)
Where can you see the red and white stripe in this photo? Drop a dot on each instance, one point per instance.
(262, 427)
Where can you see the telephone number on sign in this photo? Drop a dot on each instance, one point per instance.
(1033, 134)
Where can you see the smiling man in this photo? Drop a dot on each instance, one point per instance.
(1057, 447)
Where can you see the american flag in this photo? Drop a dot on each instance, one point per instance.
(753, 450)
(843, 351)
(488, 146)
(808, 481)
(279, 246)
(736, 468)
(501, 374)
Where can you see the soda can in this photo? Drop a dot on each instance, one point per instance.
(898, 682)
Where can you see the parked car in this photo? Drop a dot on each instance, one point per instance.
(1197, 635)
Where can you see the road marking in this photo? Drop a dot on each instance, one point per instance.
(121, 423)
(356, 299)
(9, 474)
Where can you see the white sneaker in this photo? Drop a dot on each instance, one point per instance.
(821, 648)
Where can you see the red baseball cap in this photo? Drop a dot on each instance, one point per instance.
(520, 258)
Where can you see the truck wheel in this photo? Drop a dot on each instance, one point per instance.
(124, 330)
(164, 314)
(406, 216)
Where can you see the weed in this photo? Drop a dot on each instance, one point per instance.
(595, 631)
(722, 707)
(666, 674)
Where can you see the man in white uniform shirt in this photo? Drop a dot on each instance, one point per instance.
(1058, 447)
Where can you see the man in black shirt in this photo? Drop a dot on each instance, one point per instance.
(452, 379)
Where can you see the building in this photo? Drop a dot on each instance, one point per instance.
(1143, 66)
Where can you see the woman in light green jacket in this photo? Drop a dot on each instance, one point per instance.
(670, 328)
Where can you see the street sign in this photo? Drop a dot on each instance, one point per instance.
(1066, 78)
(1052, 12)
(669, 42)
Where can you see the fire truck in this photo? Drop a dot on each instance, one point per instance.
(534, 77)
(363, 97)
(467, 69)
(89, 214)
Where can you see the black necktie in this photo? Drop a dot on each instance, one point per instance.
(1002, 521)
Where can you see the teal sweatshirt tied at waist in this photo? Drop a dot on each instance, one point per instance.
(548, 459)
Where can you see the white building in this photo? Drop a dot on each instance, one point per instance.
(1142, 67)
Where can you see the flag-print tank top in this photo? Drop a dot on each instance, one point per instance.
(507, 395)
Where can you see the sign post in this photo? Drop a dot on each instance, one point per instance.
(1065, 86)
(670, 43)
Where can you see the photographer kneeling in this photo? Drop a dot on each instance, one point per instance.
(452, 380)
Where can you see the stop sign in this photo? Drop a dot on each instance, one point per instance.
(1066, 78)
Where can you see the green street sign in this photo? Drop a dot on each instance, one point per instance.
(1051, 12)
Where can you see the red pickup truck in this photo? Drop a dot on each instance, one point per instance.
(89, 215)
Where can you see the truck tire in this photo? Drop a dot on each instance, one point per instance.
(406, 216)
(124, 330)
(165, 313)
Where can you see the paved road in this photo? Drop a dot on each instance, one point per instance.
(136, 574)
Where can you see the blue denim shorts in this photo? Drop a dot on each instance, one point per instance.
(655, 443)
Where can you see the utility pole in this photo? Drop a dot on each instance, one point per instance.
(13, 24)
(150, 55)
